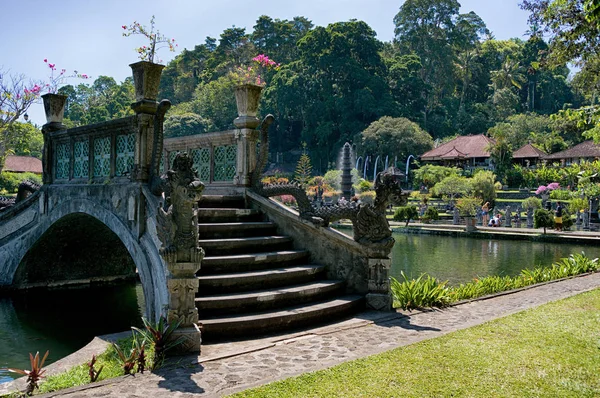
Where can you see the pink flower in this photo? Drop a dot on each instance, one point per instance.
(45, 59)
(124, 26)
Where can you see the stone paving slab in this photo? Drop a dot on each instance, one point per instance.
(229, 367)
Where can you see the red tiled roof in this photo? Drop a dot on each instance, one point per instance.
(453, 154)
(586, 149)
(22, 164)
(471, 146)
(528, 151)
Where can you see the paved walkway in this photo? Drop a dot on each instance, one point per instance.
(226, 368)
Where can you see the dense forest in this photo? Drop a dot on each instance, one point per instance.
(443, 75)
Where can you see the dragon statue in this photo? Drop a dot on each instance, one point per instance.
(370, 225)
(25, 189)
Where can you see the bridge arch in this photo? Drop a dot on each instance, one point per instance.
(143, 251)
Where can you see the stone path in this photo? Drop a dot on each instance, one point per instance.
(226, 368)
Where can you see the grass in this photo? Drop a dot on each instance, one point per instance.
(549, 351)
(426, 291)
(79, 375)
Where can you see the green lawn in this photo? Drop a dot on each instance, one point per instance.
(550, 351)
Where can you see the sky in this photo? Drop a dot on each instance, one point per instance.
(87, 36)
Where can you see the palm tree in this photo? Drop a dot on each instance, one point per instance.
(509, 75)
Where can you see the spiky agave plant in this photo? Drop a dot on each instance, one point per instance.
(35, 374)
(159, 335)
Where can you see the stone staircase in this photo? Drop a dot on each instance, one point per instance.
(253, 281)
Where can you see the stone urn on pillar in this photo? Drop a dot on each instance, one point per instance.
(247, 97)
(146, 81)
(54, 106)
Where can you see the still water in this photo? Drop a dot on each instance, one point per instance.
(63, 321)
(460, 260)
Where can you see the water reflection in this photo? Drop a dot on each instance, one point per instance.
(62, 321)
(462, 259)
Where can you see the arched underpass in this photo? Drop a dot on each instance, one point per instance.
(78, 248)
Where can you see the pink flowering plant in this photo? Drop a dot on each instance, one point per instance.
(157, 40)
(546, 189)
(254, 73)
(59, 78)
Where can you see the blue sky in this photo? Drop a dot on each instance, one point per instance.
(86, 35)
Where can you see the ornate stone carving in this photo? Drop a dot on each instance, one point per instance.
(177, 228)
(529, 217)
(455, 216)
(369, 223)
(508, 217)
(25, 189)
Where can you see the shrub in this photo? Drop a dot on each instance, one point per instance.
(560, 194)
(423, 292)
(430, 214)
(367, 197)
(363, 186)
(10, 181)
(483, 184)
(406, 213)
(468, 206)
(543, 219)
(567, 220)
(532, 203)
(429, 175)
(333, 178)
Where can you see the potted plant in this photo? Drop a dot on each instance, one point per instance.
(54, 103)
(249, 81)
(146, 73)
(467, 207)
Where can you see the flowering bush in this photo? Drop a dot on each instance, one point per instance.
(57, 79)
(253, 74)
(546, 189)
(147, 53)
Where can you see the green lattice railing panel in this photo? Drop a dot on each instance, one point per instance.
(201, 158)
(62, 161)
(102, 157)
(125, 154)
(81, 159)
(225, 162)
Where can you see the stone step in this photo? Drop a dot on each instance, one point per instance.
(284, 318)
(214, 247)
(251, 262)
(255, 280)
(222, 201)
(236, 229)
(261, 300)
(228, 215)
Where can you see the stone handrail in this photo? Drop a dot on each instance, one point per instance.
(93, 153)
(221, 158)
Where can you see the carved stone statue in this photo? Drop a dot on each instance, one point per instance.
(529, 217)
(455, 216)
(508, 217)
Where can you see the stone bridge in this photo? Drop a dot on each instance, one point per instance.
(97, 218)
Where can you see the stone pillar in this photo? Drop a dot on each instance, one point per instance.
(183, 286)
(246, 152)
(518, 223)
(529, 217)
(379, 297)
(479, 216)
(578, 220)
(455, 216)
(508, 217)
(586, 220)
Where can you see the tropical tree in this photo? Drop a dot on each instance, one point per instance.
(394, 136)
(452, 187)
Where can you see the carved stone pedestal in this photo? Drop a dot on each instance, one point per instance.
(379, 297)
(192, 340)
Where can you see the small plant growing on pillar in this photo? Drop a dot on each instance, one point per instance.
(157, 40)
(35, 374)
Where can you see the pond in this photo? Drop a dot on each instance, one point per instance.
(62, 321)
(459, 260)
